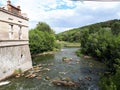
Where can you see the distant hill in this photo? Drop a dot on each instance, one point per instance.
(73, 35)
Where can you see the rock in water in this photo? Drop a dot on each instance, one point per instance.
(64, 83)
(47, 78)
(4, 83)
(65, 59)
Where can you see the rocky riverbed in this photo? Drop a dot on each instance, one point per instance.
(60, 71)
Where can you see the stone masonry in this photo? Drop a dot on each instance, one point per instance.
(14, 41)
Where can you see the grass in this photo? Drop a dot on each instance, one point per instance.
(68, 44)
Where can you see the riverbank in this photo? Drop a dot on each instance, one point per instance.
(45, 53)
(68, 44)
(61, 45)
(79, 54)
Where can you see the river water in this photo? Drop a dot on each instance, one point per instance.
(78, 70)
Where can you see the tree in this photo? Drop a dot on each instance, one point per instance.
(116, 28)
(42, 26)
(94, 28)
(41, 38)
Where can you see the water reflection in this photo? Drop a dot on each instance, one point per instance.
(43, 58)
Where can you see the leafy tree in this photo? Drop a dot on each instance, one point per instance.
(94, 28)
(69, 36)
(104, 44)
(42, 26)
(116, 28)
(41, 40)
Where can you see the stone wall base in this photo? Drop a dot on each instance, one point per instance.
(14, 58)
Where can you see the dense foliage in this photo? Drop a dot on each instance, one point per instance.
(73, 35)
(69, 36)
(42, 38)
(102, 41)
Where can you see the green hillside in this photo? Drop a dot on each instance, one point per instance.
(73, 35)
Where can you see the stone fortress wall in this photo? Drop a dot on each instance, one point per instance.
(14, 41)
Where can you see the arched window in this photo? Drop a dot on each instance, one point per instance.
(11, 31)
(20, 32)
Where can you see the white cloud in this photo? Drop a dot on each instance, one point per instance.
(118, 14)
(75, 14)
(58, 30)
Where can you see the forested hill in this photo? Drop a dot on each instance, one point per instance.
(73, 35)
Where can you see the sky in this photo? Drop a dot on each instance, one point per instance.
(63, 15)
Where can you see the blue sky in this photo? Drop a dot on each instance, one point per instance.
(62, 15)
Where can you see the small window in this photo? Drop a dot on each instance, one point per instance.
(20, 21)
(20, 33)
(10, 19)
(21, 55)
(11, 31)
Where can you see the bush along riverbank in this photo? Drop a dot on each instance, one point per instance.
(103, 43)
(42, 39)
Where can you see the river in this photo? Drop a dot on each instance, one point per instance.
(77, 70)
